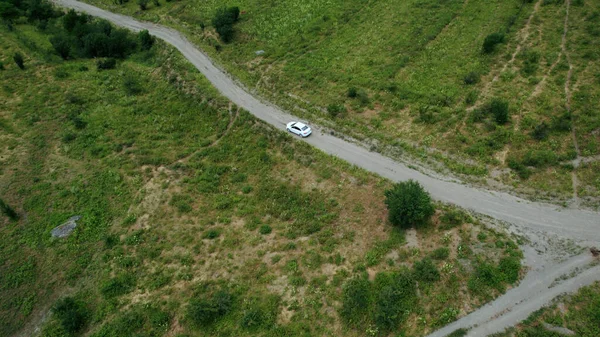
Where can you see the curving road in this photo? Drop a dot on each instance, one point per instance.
(579, 225)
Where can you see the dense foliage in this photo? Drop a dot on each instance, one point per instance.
(408, 204)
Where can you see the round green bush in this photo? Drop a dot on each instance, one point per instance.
(408, 204)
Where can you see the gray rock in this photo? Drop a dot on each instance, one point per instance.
(259, 52)
(66, 228)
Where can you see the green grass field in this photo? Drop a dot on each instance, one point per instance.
(199, 220)
(408, 61)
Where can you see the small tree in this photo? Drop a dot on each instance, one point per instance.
(499, 109)
(8, 211)
(72, 314)
(146, 40)
(408, 204)
(490, 42)
(62, 45)
(156, 3)
(18, 58)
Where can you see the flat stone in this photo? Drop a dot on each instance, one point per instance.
(259, 52)
(66, 228)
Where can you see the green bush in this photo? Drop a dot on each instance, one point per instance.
(205, 311)
(265, 229)
(71, 314)
(132, 85)
(510, 267)
(252, 318)
(490, 42)
(522, 171)
(1, 65)
(355, 301)
(394, 298)
(335, 109)
(146, 40)
(541, 131)
(20, 62)
(352, 92)
(8, 211)
(499, 110)
(440, 253)
(118, 286)
(408, 204)
(62, 45)
(562, 123)
(104, 64)
(143, 4)
(471, 78)
(426, 271)
(540, 158)
(211, 234)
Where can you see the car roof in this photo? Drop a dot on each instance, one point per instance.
(299, 124)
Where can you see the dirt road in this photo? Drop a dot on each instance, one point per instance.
(579, 225)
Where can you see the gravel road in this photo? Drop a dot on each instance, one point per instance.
(580, 225)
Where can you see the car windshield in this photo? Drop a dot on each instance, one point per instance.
(304, 128)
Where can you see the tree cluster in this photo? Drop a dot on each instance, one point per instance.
(84, 37)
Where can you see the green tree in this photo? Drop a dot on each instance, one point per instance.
(146, 40)
(62, 45)
(18, 58)
(408, 204)
(426, 271)
(8, 11)
(223, 22)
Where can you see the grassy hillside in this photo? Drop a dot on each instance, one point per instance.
(412, 75)
(578, 313)
(197, 219)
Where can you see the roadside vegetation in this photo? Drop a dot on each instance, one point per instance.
(577, 315)
(423, 79)
(197, 219)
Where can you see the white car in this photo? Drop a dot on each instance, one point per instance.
(299, 129)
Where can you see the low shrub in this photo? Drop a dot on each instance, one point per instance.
(540, 158)
(265, 229)
(541, 131)
(499, 110)
(471, 78)
(352, 92)
(426, 271)
(440, 253)
(19, 61)
(522, 171)
(205, 311)
(356, 300)
(105, 64)
(335, 109)
(118, 286)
